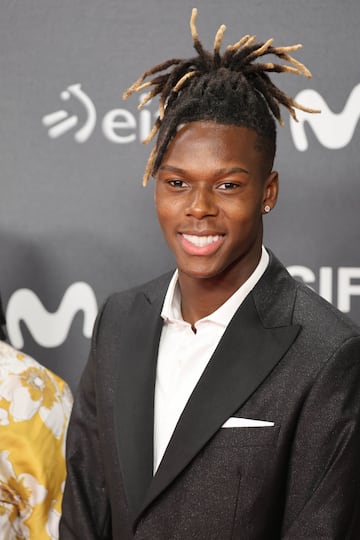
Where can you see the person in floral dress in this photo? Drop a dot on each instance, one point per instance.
(35, 405)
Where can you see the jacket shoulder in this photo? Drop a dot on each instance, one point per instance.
(311, 308)
(118, 304)
(282, 300)
(150, 289)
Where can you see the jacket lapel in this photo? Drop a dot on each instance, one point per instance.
(134, 399)
(252, 345)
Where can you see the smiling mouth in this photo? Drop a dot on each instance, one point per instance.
(201, 241)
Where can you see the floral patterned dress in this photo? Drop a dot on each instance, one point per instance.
(35, 406)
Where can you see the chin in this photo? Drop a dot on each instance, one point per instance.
(199, 273)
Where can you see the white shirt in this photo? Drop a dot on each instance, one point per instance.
(183, 354)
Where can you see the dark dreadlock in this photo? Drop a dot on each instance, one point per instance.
(230, 89)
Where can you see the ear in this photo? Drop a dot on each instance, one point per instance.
(271, 190)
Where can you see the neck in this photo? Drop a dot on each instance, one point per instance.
(202, 296)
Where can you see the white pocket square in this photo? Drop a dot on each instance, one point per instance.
(246, 422)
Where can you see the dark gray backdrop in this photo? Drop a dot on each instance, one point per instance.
(75, 223)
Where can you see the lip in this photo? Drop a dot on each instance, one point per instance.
(202, 244)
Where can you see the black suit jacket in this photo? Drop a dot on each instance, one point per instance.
(287, 357)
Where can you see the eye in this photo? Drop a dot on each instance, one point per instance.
(228, 186)
(179, 184)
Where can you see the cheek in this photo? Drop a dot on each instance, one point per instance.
(245, 224)
(168, 208)
(244, 213)
(160, 206)
(162, 210)
(165, 217)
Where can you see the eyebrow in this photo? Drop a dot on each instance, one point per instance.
(217, 172)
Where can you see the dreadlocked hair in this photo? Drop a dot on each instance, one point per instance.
(230, 88)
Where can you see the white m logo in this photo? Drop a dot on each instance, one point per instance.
(50, 329)
(332, 130)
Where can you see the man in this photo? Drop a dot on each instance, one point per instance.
(221, 402)
(35, 407)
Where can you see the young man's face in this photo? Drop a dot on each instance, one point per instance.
(211, 190)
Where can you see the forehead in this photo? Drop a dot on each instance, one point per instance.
(210, 144)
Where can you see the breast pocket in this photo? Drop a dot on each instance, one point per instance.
(243, 437)
(235, 468)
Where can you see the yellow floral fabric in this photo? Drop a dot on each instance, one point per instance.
(35, 405)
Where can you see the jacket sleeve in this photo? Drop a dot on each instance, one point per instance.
(85, 509)
(323, 496)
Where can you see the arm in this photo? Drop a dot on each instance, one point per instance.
(323, 499)
(34, 410)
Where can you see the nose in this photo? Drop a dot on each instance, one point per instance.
(201, 203)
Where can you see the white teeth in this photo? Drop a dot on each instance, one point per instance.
(201, 241)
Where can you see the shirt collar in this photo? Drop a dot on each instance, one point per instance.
(171, 311)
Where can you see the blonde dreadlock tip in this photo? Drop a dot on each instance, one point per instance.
(251, 39)
(238, 44)
(194, 13)
(183, 79)
(133, 88)
(144, 85)
(143, 102)
(218, 38)
(193, 28)
(268, 42)
(152, 134)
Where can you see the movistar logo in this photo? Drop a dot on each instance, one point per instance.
(50, 329)
(333, 130)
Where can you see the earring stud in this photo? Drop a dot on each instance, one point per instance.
(267, 208)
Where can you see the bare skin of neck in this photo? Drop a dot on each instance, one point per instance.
(201, 297)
